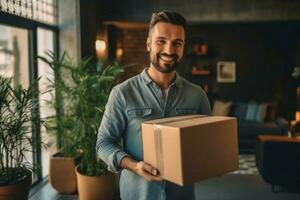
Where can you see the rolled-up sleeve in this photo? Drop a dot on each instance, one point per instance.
(110, 132)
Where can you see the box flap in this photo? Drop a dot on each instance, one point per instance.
(197, 121)
(173, 119)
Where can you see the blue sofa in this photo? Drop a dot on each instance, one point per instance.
(253, 119)
(249, 130)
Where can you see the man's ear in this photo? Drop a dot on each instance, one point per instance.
(148, 44)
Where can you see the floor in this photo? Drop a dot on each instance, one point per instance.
(243, 184)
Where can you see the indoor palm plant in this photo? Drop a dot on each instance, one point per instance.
(62, 174)
(16, 118)
(84, 96)
(87, 99)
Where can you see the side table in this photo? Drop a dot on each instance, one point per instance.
(278, 160)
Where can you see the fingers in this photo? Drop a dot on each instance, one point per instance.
(150, 169)
(150, 173)
(154, 178)
(150, 177)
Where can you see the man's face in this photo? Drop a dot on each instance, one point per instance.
(165, 44)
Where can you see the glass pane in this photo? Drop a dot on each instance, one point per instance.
(45, 43)
(14, 61)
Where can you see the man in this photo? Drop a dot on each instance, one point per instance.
(157, 92)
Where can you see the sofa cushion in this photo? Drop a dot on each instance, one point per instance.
(239, 110)
(252, 128)
(256, 112)
(221, 108)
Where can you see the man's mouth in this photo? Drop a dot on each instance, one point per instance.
(167, 58)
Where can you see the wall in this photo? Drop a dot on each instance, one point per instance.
(265, 54)
(135, 52)
(69, 27)
(89, 26)
(203, 10)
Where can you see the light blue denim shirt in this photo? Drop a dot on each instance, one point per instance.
(130, 103)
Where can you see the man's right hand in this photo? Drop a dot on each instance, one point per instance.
(141, 168)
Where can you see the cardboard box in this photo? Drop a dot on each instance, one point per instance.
(191, 148)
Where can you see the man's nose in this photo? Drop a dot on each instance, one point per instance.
(169, 49)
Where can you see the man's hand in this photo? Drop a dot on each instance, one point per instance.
(141, 168)
(147, 171)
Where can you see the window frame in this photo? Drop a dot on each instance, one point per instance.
(31, 26)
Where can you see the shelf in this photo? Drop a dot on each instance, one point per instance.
(193, 54)
(200, 72)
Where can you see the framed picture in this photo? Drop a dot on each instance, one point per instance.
(226, 71)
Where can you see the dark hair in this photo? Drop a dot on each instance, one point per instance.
(167, 17)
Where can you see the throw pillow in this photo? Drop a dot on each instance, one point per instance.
(256, 112)
(221, 108)
(261, 112)
(250, 115)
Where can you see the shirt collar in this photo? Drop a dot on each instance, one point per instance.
(148, 80)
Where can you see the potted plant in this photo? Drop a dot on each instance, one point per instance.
(62, 164)
(87, 98)
(16, 117)
(78, 116)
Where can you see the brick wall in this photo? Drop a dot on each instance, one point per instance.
(134, 51)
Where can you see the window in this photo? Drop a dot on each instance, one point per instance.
(39, 10)
(13, 61)
(45, 43)
(27, 29)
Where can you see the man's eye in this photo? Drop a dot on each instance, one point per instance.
(177, 44)
(160, 42)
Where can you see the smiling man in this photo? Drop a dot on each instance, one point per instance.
(157, 92)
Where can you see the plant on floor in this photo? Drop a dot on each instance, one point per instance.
(84, 97)
(62, 164)
(61, 123)
(88, 96)
(16, 118)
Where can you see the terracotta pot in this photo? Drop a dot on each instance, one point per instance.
(17, 191)
(96, 187)
(62, 174)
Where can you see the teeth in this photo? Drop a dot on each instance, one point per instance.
(167, 58)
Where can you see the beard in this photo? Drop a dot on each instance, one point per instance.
(164, 68)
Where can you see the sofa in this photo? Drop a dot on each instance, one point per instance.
(253, 119)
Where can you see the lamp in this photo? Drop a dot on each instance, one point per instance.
(119, 53)
(100, 46)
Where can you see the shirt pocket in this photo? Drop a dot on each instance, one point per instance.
(186, 111)
(139, 113)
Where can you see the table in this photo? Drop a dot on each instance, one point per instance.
(278, 160)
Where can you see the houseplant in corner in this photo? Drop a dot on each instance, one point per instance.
(16, 117)
(62, 164)
(84, 97)
(88, 95)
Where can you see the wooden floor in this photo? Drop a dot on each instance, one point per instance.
(245, 184)
(228, 187)
(44, 191)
